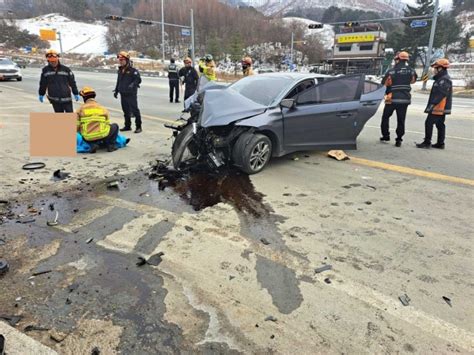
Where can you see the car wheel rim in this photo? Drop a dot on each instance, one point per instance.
(259, 156)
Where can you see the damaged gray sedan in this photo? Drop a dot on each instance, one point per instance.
(270, 115)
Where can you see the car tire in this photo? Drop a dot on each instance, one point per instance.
(182, 142)
(19, 79)
(252, 152)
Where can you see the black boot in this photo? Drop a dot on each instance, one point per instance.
(424, 145)
(384, 139)
(125, 129)
(138, 130)
(94, 148)
(398, 143)
(111, 148)
(438, 146)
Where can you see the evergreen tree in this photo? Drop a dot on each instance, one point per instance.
(214, 47)
(236, 48)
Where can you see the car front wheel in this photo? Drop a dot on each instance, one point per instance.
(252, 152)
(19, 79)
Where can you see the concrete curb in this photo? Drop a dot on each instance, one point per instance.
(17, 343)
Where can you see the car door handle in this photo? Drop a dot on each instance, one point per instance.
(344, 114)
(369, 103)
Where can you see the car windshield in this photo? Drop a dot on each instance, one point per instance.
(5, 61)
(261, 89)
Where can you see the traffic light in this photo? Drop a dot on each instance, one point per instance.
(145, 22)
(351, 24)
(114, 18)
(315, 26)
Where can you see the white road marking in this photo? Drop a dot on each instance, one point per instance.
(85, 218)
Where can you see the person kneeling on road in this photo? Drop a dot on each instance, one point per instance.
(93, 123)
(439, 105)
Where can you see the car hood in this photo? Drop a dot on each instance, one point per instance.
(224, 106)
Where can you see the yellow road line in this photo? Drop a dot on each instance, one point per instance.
(161, 119)
(411, 171)
(422, 133)
(10, 87)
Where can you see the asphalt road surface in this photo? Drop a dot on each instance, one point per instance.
(240, 254)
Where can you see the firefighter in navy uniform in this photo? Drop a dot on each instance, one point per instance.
(189, 77)
(398, 81)
(57, 80)
(439, 105)
(173, 79)
(128, 82)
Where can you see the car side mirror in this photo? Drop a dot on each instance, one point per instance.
(288, 103)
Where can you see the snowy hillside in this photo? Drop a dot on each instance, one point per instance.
(326, 33)
(77, 37)
(271, 7)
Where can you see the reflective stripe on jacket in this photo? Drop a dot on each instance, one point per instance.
(57, 83)
(398, 80)
(441, 95)
(93, 121)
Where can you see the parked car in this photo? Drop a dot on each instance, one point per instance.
(274, 114)
(9, 70)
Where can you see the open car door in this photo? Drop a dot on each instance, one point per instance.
(325, 116)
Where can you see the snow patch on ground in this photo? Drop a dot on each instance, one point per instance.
(77, 37)
(326, 34)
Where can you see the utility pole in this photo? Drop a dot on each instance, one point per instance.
(163, 28)
(192, 36)
(430, 45)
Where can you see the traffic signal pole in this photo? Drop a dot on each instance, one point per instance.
(430, 45)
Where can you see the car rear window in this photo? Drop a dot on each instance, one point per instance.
(261, 89)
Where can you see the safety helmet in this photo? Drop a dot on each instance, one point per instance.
(443, 63)
(187, 60)
(403, 55)
(87, 92)
(123, 55)
(247, 60)
(208, 57)
(52, 55)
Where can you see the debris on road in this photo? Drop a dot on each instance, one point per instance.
(371, 187)
(448, 301)
(368, 203)
(95, 351)
(89, 240)
(323, 268)
(4, 267)
(188, 228)
(339, 155)
(113, 185)
(33, 166)
(327, 280)
(264, 241)
(41, 272)
(404, 299)
(153, 260)
(55, 222)
(12, 320)
(30, 328)
(271, 319)
(59, 175)
(26, 220)
(418, 233)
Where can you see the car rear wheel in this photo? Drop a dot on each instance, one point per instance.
(184, 148)
(252, 152)
(19, 79)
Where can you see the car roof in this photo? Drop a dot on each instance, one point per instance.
(294, 76)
